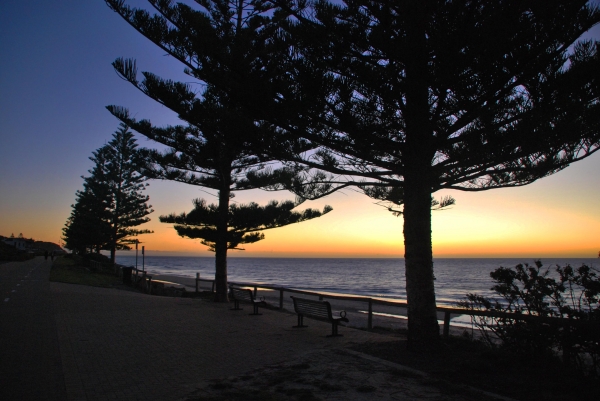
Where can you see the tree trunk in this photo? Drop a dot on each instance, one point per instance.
(221, 294)
(423, 328)
(113, 241)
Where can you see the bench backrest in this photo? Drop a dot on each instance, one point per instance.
(311, 307)
(241, 294)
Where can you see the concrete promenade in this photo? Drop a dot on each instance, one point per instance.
(30, 358)
(70, 342)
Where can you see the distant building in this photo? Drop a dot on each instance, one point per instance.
(21, 244)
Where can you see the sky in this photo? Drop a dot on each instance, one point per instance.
(56, 79)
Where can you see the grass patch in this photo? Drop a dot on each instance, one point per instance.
(68, 270)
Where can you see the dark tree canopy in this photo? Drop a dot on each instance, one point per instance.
(246, 221)
(412, 97)
(87, 229)
(111, 204)
(129, 207)
(224, 45)
(507, 94)
(401, 99)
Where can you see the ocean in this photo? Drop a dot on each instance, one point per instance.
(454, 277)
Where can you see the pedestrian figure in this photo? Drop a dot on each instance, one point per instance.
(46, 255)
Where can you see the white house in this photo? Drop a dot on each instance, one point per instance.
(19, 243)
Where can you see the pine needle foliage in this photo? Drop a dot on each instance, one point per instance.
(407, 98)
(224, 47)
(129, 206)
(87, 229)
(111, 204)
(246, 221)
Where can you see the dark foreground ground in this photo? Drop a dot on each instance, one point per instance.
(462, 362)
(63, 341)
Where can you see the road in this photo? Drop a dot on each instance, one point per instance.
(30, 362)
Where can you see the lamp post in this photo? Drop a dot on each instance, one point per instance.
(136, 253)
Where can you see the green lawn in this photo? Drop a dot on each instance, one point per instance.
(68, 270)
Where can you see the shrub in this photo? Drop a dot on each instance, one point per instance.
(10, 253)
(566, 302)
(97, 257)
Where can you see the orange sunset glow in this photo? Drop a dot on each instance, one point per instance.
(540, 220)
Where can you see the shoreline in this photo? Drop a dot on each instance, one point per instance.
(384, 316)
(372, 278)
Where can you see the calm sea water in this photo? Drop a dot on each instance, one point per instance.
(372, 277)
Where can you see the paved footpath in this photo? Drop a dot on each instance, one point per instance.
(70, 342)
(30, 362)
(127, 345)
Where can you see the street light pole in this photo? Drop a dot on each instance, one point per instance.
(136, 254)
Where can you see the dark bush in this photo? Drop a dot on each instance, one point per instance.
(566, 302)
(10, 253)
(97, 257)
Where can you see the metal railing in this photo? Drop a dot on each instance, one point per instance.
(371, 301)
(342, 297)
(141, 278)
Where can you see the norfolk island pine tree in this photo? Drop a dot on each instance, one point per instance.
(222, 140)
(111, 203)
(478, 133)
(421, 96)
(129, 207)
(245, 222)
(87, 228)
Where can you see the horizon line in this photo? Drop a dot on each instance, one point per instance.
(288, 255)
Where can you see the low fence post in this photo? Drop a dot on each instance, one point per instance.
(370, 321)
(197, 280)
(566, 342)
(446, 324)
(281, 299)
(255, 291)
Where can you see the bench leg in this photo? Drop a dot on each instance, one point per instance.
(300, 322)
(255, 312)
(334, 330)
(236, 305)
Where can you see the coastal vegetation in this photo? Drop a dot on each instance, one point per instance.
(221, 142)
(73, 269)
(245, 221)
(111, 203)
(398, 99)
(10, 253)
(416, 97)
(569, 295)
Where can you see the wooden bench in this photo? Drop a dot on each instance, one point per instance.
(319, 310)
(245, 295)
